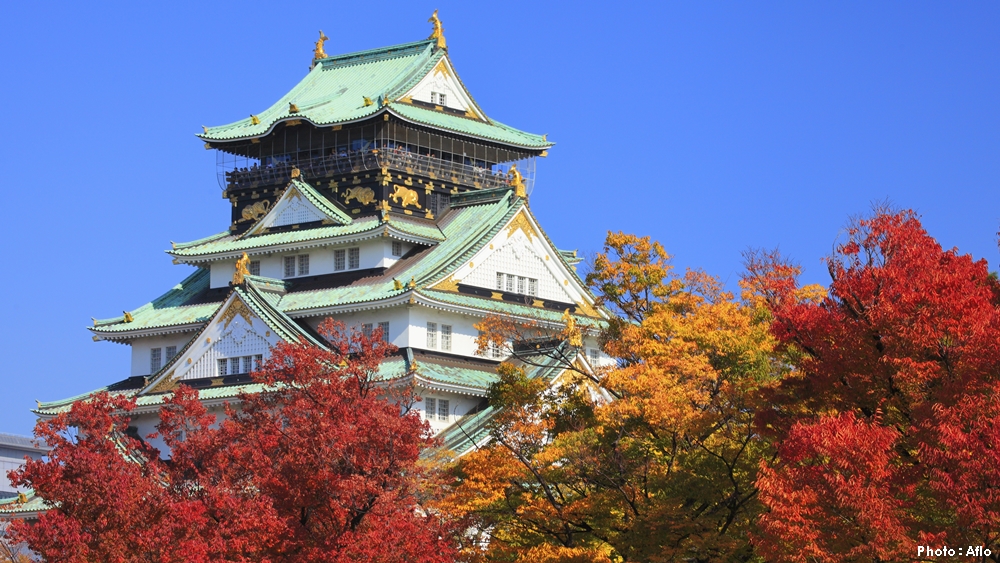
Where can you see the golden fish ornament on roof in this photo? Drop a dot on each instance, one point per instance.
(438, 32)
(242, 269)
(319, 53)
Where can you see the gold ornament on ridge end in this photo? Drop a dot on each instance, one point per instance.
(319, 53)
(438, 32)
(242, 269)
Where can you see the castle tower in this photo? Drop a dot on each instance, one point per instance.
(376, 192)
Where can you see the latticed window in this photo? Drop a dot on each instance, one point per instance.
(258, 361)
(532, 287)
(155, 360)
(510, 283)
(432, 335)
(443, 99)
(234, 365)
(397, 248)
(339, 259)
(499, 281)
(430, 407)
(171, 352)
(303, 264)
(446, 337)
(353, 258)
(223, 367)
(593, 354)
(289, 266)
(442, 409)
(254, 268)
(385, 330)
(366, 329)
(521, 283)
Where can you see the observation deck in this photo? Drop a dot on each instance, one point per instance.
(354, 162)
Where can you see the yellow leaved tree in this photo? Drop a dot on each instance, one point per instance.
(653, 457)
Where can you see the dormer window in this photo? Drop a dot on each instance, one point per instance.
(439, 98)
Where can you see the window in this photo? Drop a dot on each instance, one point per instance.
(240, 365)
(366, 329)
(254, 267)
(296, 265)
(442, 409)
(432, 335)
(397, 248)
(492, 348)
(353, 258)
(446, 338)
(171, 352)
(443, 99)
(339, 261)
(385, 330)
(155, 360)
(593, 355)
(430, 406)
(517, 284)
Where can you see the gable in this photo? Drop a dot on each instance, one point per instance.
(298, 204)
(519, 249)
(235, 331)
(443, 80)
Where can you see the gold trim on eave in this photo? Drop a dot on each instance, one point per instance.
(520, 221)
(238, 307)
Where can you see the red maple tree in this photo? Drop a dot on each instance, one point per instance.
(322, 466)
(888, 433)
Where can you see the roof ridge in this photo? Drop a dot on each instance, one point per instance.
(378, 53)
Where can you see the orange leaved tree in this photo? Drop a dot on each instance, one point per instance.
(653, 458)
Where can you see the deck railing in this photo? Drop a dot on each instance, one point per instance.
(359, 161)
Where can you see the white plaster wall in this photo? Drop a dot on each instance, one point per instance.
(458, 406)
(463, 333)
(374, 253)
(141, 348)
(398, 317)
(518, 256)
(408, 326)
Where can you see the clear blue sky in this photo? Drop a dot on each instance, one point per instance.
(713, 127)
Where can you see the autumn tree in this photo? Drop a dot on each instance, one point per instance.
(652, 459)
(888, 429)
(320, 465)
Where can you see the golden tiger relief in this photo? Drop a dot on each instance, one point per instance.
(408, 196)
(256, 210)
(363, 195)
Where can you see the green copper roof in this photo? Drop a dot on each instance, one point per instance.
(498, 306)
(334, 92)
(167, 309)
(226, 243)
(492, 131)
(335, 88)
(9, 507)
